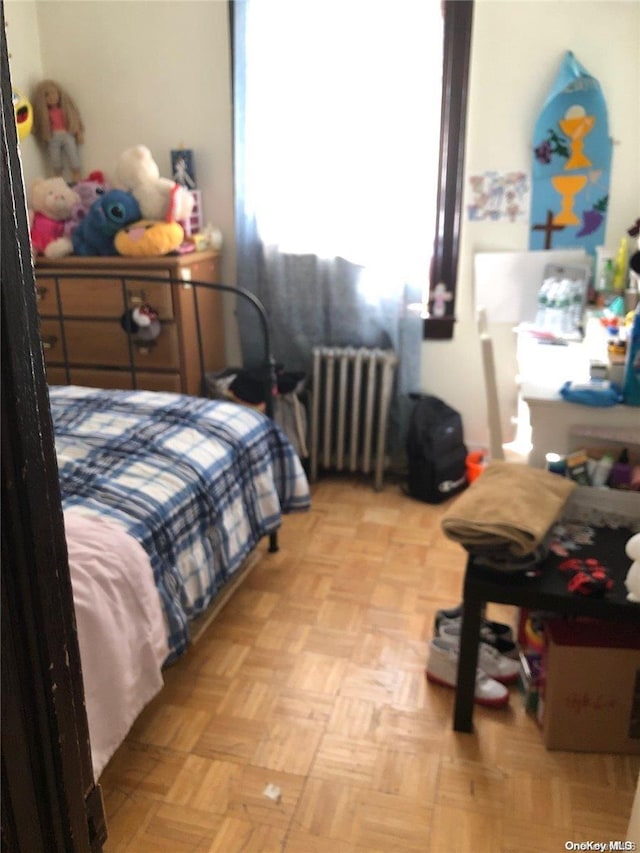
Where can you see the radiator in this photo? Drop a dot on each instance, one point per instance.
(351, 393)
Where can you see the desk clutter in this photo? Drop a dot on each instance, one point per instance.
(579, 681)
(505, 519)
(577, 676)
(599, 332)
(535, 540)
(615, 468)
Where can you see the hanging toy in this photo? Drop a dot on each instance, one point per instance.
(58, 125)
(23, 113)
(141, 322)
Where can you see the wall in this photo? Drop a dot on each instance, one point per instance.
(159, 73)
(23, 42)
(517, 48)
(156, 73)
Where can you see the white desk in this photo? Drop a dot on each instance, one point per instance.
(556, 423)
(544, 369)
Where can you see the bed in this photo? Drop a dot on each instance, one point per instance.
(165, 498)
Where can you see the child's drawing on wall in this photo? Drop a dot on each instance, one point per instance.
(498, 196)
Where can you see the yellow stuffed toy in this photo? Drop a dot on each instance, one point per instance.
(24, 114)
(148, 237)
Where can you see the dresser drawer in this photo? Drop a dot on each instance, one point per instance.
(91, 297)
(51, 337)
(80, 317)
(105, 343)
(46, 297)
(116, 379)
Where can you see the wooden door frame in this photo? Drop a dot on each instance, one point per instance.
(50, 803)
(458, 24)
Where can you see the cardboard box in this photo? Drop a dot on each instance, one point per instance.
(591, 693)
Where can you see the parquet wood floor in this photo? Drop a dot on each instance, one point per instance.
(312, 680)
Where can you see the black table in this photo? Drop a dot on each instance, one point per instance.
(547, 591)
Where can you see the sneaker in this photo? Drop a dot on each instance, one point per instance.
(498, 666)
(451, 613)
(500, 642)
(442, 668)
(454, 614)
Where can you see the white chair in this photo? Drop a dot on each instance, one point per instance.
(496, 448)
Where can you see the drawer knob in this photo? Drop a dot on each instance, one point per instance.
(41, 292)
(137, 297)
(49, 341)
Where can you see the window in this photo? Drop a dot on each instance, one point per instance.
(342, 155)
(350, 139)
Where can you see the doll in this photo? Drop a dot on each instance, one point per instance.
(57, 123)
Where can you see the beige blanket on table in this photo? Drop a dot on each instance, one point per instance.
(508, 508)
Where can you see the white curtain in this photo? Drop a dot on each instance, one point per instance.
(337, 106)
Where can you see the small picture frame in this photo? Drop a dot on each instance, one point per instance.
(182, 169)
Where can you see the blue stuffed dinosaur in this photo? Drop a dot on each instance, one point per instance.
(107, 215)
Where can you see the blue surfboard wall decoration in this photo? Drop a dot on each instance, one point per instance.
(571, 164)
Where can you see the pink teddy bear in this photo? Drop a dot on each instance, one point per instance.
(52, 202)
(88, 190)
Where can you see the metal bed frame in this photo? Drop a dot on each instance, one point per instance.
(266, 370)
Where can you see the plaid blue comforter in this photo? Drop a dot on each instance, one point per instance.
(197, 482)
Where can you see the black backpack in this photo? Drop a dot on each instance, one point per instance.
(436, 453)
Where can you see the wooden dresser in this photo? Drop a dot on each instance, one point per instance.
(99, 352)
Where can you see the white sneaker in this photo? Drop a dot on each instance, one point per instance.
(502, 642)
(454, 614)
(503, 669)
(442, 668)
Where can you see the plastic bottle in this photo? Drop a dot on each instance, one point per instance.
(553, 312)
(564, 304)
(602, 470)
(543, 301)
(620, 268)
(577, 299)
(604, 269)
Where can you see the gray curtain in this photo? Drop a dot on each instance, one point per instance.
(313, 300)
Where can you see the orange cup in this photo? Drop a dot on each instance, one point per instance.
(475, 464)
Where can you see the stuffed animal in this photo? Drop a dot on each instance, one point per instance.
(89, 189)
(632, 581)
(142, 323)
(148, 237)
(23, 113)
(57, 123)
(107, 215)
(51, 205)
(159, 198)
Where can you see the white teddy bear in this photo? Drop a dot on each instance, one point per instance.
(632, 581)
(159, 198)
